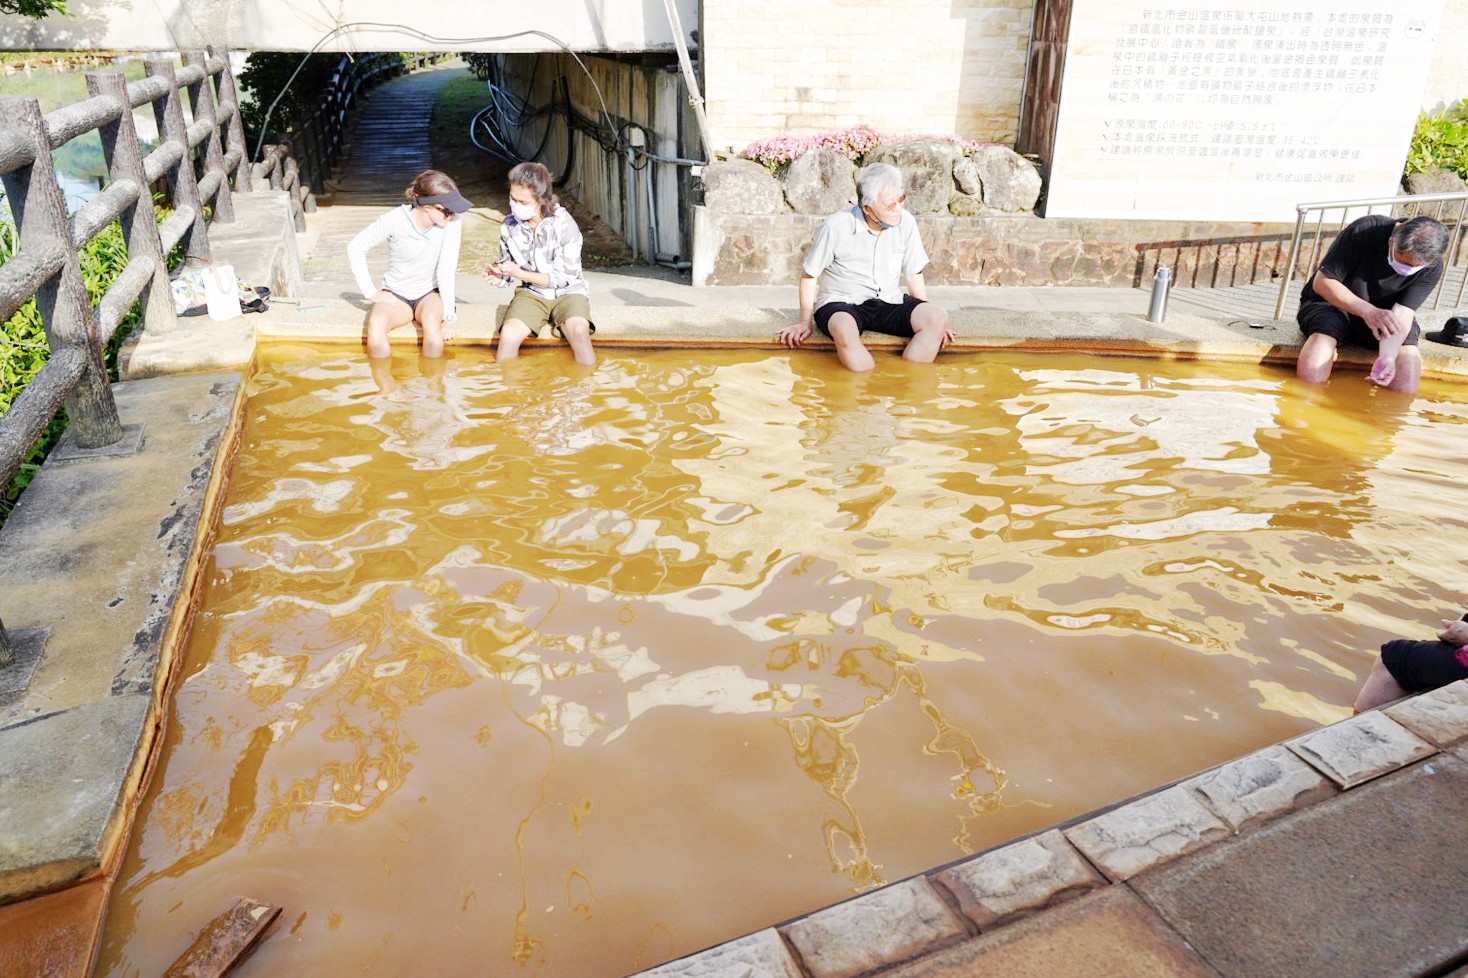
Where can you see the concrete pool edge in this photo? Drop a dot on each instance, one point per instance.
(734, 318)
(1117, 871)
(107, 554)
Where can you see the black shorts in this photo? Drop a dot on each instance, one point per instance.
(1322, 317)
(412, 303)
(892, 318)
(1418, 666)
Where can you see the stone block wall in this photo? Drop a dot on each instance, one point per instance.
(940, 66)
(766, 249)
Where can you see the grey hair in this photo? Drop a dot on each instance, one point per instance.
(874, 178)
(1424, 237)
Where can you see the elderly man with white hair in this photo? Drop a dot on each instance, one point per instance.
(852, 277)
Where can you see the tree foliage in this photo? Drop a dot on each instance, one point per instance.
(34, 8)
(265, 76)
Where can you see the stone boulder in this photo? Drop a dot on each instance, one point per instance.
(1011, 182)
(966, 175)
(820, 181)
(927, 171)
(741, 187)
(965, 205)
(1435, 181)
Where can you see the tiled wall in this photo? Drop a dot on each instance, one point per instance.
(940, 66)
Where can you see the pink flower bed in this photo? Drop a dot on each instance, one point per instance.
(853, 143)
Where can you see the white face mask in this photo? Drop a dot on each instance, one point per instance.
(1399, 267)
(523, 212)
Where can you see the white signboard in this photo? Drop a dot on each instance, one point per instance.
(1236, 111)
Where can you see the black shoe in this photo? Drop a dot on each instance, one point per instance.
(1452, 333)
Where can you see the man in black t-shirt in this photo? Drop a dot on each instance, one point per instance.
(1366, 292)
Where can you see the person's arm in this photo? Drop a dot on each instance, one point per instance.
(797, 333)
(530, 277)
(916, 286)
(1381, 322)
(368, 238)
(448, 267)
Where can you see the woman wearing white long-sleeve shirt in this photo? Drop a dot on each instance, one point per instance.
(423, 239)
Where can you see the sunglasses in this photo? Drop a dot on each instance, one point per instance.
(444, 210)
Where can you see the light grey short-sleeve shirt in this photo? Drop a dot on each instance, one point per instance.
(855, 263)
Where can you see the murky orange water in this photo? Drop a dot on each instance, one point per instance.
(542, 672)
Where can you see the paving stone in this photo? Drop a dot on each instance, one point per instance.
(1143, 833)
(880, 928)
(1370, 883)
(1019, 879)
(1260, 786)
(1361, 748)
(760, 955)
(1439, 716)
(60, 781)
(1108, 933)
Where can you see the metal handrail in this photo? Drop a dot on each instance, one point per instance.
(1414, 201)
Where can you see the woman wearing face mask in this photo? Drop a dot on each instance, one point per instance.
(422, 239)
(540, 253)
(1367, 291)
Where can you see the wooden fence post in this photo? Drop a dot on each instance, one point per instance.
(183, 184)
(7, 654)
(139, 222)
(211, 156)
(66, 312)
(234, 125)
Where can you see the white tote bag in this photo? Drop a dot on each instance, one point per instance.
(222, 291)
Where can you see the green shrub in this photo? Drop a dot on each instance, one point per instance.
(1439, 140)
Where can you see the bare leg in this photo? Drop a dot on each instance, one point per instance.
(382, 374)
(577, 332)
(1316, 358)
(430, 317)
(388, 312)
(849, 349)
(512, 334)
(930, 332)
(1379, 688)
(1409, 370)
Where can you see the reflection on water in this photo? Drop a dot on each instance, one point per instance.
(570, 675)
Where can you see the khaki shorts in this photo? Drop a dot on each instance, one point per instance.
(535, 312)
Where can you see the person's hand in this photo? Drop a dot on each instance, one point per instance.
(1455, 632)
(948, 337)
(794, 334)
(1383, 371)
(449, 329)
(1382, 323)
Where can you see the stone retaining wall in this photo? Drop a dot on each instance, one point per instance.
(1019, 249)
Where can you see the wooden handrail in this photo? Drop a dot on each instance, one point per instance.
(46, 265)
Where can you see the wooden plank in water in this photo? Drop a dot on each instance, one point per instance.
(226, 941)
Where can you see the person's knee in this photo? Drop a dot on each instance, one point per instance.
(843, 329)
(514, 329)
(576, 327)
(927, 316)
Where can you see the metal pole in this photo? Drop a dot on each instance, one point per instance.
(694, 97)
